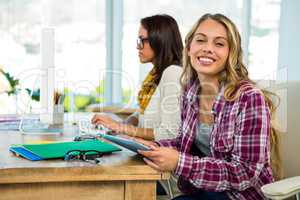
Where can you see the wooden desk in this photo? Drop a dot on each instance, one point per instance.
(121, 175)
(120, 111)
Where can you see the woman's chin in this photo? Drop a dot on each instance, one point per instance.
(143, 60)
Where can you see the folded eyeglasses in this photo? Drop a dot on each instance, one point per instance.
(91, 156)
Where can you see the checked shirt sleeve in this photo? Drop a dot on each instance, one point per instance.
(249, 155)
(175, 142)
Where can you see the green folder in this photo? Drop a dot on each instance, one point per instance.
(59, 149)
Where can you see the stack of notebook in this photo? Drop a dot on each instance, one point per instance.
(36, 152)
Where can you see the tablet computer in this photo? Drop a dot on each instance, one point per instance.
(126, 142)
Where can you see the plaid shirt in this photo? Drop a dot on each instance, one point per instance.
(239, 144)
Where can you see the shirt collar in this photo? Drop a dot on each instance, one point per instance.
(220, 100)
(193, 92)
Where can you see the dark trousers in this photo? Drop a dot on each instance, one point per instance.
(204, 195)
(160, 190)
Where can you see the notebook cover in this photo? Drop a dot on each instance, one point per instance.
(59, 149)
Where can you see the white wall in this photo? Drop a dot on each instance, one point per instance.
(289, 40)
(289, 79)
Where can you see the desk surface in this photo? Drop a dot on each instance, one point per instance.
(123, 165)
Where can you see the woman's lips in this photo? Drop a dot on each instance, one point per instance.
(205, 60)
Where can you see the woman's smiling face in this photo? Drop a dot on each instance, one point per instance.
(209, 49)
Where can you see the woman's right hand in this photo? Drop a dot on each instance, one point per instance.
(132, 119)
(148, 143)
(108, 122)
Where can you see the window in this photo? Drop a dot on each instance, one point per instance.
(80, 49)
(20, 24)
(264, 38)
(186, 14)
(82, 30)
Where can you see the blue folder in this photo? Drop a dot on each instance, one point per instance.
(19, 150)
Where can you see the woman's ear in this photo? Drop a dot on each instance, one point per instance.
(188, 51)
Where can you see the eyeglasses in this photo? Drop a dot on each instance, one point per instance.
(140, 42)
(88, 156)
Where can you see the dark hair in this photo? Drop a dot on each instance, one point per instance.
(165, 40)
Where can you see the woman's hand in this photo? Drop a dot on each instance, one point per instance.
(161, 158)
(148, 143)
(108, 122)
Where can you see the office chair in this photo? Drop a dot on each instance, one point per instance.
(288, 112)
(283, 189)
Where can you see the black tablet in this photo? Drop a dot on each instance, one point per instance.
(126, 142)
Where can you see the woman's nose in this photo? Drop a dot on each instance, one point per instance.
(207, 48)
(138, 47)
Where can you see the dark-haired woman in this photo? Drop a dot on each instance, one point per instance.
(159, 42)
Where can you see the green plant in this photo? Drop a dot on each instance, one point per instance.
(80, 101)
(98, 94)
(127, 93)
(35, 94)
(13, 83)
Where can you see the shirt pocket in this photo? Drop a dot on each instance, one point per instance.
(223, 136)
(222, 144)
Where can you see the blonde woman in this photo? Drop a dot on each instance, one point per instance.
(226, 137)
(159, 42)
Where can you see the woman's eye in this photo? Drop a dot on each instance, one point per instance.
(219, 44)
(199, 40)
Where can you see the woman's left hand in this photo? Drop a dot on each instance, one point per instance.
(161, 158)
(107, 121)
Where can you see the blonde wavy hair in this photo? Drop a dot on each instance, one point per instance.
(235, 71)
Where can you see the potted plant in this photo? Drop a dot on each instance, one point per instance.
(14, 87)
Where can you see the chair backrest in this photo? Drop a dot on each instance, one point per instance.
(291, 138)
(288, 116)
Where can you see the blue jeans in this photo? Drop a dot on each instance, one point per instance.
(203, 195)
